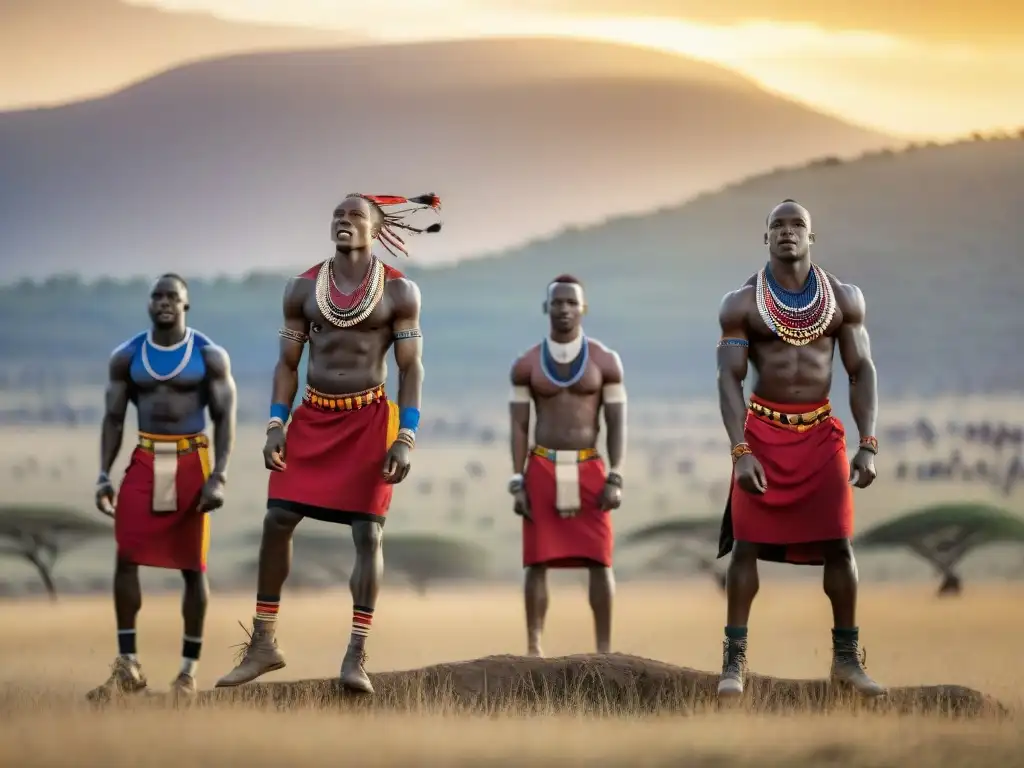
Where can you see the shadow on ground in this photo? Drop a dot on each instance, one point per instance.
(613, 684)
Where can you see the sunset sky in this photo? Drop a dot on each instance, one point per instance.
(914, 68)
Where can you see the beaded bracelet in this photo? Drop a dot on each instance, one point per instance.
(739, 450)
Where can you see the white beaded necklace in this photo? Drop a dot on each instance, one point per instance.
(565, 352)
(188, 342)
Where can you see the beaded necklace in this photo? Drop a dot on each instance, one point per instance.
(576, 368)
(188, 343)
(796, 317)
(365, 299)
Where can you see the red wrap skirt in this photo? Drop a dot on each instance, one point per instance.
(550, 539)
(809, 498)
(335, 451)
(157, 521)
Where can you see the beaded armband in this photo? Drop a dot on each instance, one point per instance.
(869, 444)
(739, 450)
(296, 336)
(731, 342)
(406, 436)
(408, 333)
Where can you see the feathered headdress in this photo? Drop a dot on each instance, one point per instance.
(394, 220)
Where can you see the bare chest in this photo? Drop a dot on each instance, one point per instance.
(363, 336)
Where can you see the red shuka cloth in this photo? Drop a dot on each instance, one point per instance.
(177, 540)
(574, 542)
(809, 498)
(335, 462)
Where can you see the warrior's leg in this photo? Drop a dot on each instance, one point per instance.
(263, 654)
(602, 593)
(126, 673)
(535, 592)
(840, 583)
(193, 611)
(365, 582)
(742, 583)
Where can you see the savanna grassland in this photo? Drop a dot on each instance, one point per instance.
(53, 654)
(50, 654)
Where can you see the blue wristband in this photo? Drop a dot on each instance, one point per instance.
(409, 418)
(280, 411)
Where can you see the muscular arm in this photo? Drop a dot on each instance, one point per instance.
(855, 351)
(115, 407)
(519, 412)
(293, 340)
(408, 351)
(614, 397)
(732, 356)
(223, 396)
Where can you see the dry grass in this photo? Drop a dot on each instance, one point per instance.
(51, 655)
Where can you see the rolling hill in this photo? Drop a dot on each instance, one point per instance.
(56, 51)
(234, 164)
(931, 235)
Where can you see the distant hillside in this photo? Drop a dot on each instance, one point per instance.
(56, 51)
(235, 164)
(931, 235)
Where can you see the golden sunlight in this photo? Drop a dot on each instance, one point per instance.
(894, 84)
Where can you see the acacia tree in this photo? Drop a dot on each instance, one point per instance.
(41, 534)
(683, 541)
(944, 534)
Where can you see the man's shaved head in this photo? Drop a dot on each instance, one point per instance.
(787, 206)
(789, 236)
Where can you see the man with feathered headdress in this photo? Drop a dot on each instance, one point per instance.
(346, 444)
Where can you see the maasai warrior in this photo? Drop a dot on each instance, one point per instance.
(561, 487)
(171, 374)
(347, 444)
(791, 499)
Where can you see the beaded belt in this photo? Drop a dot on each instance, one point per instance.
(354, 402)
(186, 443)
(800, 422)
(547, 453)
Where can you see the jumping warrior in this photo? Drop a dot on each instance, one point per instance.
(171, 374)
(346, 444)
(791, 499)
(560, 486)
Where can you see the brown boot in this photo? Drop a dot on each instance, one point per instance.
(734, 669)
(848, 665)
(258, 657)
(183, 688)
(353, 675)
(126, 679)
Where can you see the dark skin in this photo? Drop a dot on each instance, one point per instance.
(162, 407)
(794, 375)
(568, 419)
(342, 361)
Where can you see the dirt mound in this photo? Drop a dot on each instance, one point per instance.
(613, 684)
